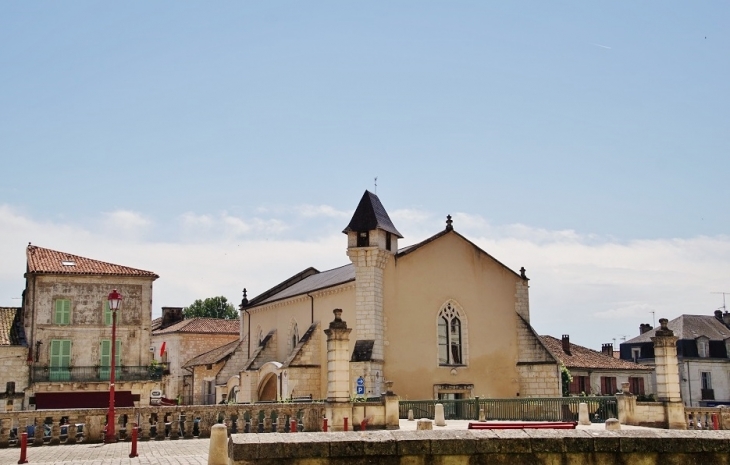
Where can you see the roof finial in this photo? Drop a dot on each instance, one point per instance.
(449, 225)
(244, 301)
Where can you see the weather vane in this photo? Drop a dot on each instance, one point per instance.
(376, 185)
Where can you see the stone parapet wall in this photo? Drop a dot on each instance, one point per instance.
(513, 447)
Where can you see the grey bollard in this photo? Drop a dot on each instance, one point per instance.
(218, 450)
(482, 415)
(410, 415)
(612, 424)
(439, 414)
(583, 417)
(424, 424)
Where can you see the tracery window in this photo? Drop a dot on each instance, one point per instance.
(294, 335)
(451, 335)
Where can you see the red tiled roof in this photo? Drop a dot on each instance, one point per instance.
(201, 325)
(583, 357)
(47, 261)
(8, 336)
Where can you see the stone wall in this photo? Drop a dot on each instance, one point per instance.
(538, 369)
(508, 447)
(13, 368)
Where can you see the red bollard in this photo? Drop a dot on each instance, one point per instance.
(134, 441)
(715, 422)
(363, 424)
(23, 448)
(345, 424)
(293, 427)
(324, 425)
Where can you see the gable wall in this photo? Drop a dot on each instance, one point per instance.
(416, 287)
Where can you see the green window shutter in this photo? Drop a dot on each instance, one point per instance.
(60, 353)
(106, 353)
(108, 314)
(62, 315)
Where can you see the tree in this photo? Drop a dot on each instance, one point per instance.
(212, 307)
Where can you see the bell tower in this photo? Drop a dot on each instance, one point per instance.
(371, 240)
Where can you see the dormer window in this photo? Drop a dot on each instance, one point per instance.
(727, 347)
(363, 239)
(635, 354)
(703, 347)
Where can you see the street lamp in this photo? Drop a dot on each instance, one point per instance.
(115, 299)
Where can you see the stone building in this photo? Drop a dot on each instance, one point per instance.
(68, 327)
(176, 340)
(599, 373)
(440, 319)
(13, 359)
(703, 356)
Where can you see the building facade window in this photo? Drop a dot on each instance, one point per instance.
(105, 357)
(387, 241)
(707, 392)
(108, 314)
(635, 354)
(580, 385)
(608, 385)
(60, 360)
(636, 385)
(451, 335)
(294, 335)
(363, 239)
(62, 312)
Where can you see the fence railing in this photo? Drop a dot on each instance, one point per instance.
(702, 417)
(600, 408)
(50, 427)
(95, 373)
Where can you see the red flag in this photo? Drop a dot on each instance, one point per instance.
(162, 349)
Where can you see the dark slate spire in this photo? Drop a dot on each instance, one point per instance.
(370, 214)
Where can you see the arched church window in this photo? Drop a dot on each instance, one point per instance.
(451, 335)
(294, 336)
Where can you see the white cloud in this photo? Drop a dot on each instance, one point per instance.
(313, 211)
(125, 223)
(593, 288)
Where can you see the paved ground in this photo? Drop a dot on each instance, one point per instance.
(180, 452)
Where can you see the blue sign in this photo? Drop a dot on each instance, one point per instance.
(360, 382)
(360, 390)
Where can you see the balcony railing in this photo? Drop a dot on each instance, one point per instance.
(91, 374)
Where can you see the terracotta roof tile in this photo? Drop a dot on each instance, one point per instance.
(47, 261)
(8, 330)
(583, 357)
(202, 325)
(215, 355)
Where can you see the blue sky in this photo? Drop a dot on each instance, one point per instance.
(226, 145)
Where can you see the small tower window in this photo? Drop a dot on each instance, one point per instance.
(387, 241)
(363, 239)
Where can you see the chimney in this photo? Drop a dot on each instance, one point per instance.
(171, 315)
(645, 327)
(718, 315)
(726, 319)
(607, 349)
(566, 344)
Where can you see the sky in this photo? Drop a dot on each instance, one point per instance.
(226, 145)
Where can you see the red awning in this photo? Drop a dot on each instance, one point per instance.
(84, 399)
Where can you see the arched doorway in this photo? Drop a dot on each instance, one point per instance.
(267, 388)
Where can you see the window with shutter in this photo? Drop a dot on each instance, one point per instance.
(106, 356)
(60, 360)
(62, 312)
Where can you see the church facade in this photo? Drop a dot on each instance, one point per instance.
(438, 319)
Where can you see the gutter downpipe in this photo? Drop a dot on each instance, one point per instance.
(689, 384)
(311, 299)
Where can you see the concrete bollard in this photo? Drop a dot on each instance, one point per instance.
(410, 415)
(439, 414)
(583, 417)
(424, 424)
(482, 415)
(218, 450)
(612, 424)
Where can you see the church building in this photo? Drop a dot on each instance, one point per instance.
(440, 319)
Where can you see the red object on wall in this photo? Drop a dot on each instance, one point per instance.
(94, 399)
(162, 349)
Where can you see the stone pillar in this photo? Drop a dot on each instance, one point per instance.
(338, 405)
(665, 360)
(667, 375)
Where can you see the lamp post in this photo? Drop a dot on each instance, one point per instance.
(115, 299)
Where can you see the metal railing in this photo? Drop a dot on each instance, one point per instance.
(600, 408)
(95, 373)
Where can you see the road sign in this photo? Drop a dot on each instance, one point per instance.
(360, 390)
(360, 381)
